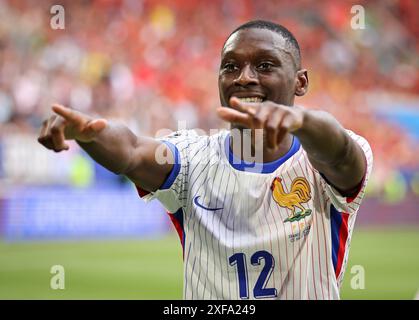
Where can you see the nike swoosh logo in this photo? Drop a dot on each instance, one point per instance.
(195, 200)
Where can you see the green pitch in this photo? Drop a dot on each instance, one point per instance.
(152, 269)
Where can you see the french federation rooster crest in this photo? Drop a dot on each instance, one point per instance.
(300, 193)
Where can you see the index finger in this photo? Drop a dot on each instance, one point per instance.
(234, 116)
(245, 107)
(67, 113)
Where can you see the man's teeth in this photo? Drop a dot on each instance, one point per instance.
(251, 99)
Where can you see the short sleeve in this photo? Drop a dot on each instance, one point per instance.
(346, 204)
(173, 192)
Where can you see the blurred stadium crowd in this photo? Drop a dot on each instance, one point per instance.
(153, 63)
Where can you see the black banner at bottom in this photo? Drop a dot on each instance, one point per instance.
(166, 309)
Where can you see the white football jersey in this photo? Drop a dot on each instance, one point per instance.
(273, 230)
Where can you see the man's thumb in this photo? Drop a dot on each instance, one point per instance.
(97, 125)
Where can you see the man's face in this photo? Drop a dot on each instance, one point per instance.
(257, 64)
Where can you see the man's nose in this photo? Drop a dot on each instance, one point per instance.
(246, 77)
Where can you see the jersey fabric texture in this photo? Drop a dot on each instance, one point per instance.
(273, 230)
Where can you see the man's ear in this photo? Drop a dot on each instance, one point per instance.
(301, 83)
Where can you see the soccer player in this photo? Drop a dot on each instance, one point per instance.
(278, 228)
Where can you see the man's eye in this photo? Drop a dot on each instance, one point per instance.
(230, 67)
(265, 66)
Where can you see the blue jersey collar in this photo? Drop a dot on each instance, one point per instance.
(258, 167)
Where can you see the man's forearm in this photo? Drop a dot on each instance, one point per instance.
(332, 151)
(112, 147)
(323, 138)
(122, 152)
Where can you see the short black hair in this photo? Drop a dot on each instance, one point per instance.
(272, 26)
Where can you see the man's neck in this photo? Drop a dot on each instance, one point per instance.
(268, 155)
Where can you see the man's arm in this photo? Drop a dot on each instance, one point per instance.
(331, 150)
(112, 145)
(329, 147)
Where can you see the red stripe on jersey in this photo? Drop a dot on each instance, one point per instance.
(343, 236)
(176, 223)
(141, 192)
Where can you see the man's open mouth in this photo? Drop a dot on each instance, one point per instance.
(251, 99)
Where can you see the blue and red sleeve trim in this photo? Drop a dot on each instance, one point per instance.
(357, 189)
(177, 217)
(339, 229)
(177, 220)
(176, 167)
(172, 175)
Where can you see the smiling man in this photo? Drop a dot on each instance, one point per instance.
(278, 228)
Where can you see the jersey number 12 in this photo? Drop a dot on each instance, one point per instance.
(259, 290)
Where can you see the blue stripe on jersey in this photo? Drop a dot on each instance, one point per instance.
(178, 215)
(336, 222)
(257, 167)
(176, 166)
